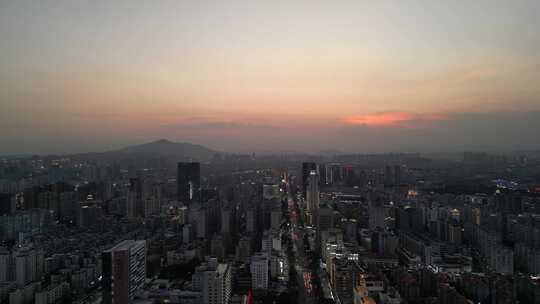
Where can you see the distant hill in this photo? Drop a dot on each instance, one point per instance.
(165, 147)
(158, 148)
(331, 152)
(15, 156)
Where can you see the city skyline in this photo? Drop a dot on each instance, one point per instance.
(248, 75)
(256, 152)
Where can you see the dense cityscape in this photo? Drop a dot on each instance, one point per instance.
(142, 225)
(269, 152)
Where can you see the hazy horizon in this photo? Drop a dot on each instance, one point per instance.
(306, 76)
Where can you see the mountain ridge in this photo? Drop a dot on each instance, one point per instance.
(159, 148)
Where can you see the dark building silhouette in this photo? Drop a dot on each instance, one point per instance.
(307, 167)
(397, 175)
(392, 175)
(134, 198)
(189, 182)
(6, 204)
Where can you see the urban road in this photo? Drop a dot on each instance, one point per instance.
(307, 294)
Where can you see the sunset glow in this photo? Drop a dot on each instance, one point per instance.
(395, 119)
(277, 151)
(219, 73)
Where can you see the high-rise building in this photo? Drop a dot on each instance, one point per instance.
(187, 233)
(397, 175)
(259, 271)
(88, 215)
(5, 265)
(275, 219)
(501, 259)
(307, 167)
(189, 182)
(326, 218)
(28, 265)
(388, 176)
(7, 203)
(152, 199)
(251, 219)
(312, 198)
(344, 277)
(217, 247)
(199, 219)
(383, 243)
(270, 191)
(312, 191)
(214, 282)
(325, 222)
(227, 220)
(377, 241)
(266, 243)
(454, 234)
(279, 267)
(377, 215)
(124, 271)
(392, 175)
(243, 249)
(134, 197)
(329, 178)
(24, 221)
(131, 205)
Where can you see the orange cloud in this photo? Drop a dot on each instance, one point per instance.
(395, 119)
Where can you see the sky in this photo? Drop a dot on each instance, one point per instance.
(356, 76)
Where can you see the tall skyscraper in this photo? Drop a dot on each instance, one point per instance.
(217, 247)
(312, 193)
(189, 182)
(326, 218)
(199, 220)
(251, 220)
(134, 197)
(275, 219)
(313, 205)
(28, 265)
(397, 175)
(388, 176)
(344, 277)
(392, 175)
(88, 215)
(5, 265)
(7, 203)
(243, 250)
(259, 271)
(214, 282)
(325, 222)
(377, 214)
(124, 271)
(227, 220)
(307, 167)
